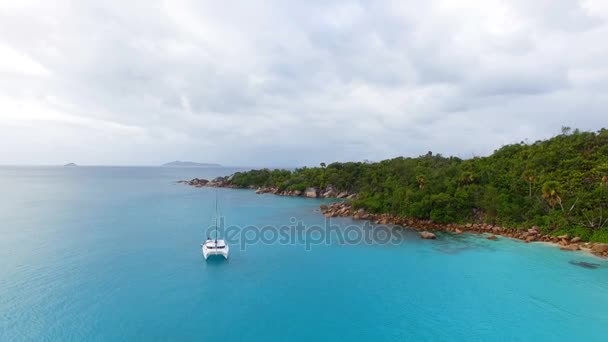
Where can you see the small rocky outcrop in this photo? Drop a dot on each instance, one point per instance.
(219, 182)
(198, 182)
(492, 237)
(311, 192)
(427, 235)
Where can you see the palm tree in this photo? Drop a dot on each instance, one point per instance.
(602, 172)
(551, 194)
(603, 184)
(421, 182)
(466, 178)
(322, 180)
(529, 177)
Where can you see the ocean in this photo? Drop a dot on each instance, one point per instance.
(113, 254)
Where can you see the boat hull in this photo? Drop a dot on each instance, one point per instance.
(210, 249)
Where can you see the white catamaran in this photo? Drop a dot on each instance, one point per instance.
(215, 246)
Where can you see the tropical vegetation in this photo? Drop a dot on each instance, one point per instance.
(559, 185)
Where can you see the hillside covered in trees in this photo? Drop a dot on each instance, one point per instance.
(560, 185)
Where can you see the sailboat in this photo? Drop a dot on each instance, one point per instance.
(215, 246)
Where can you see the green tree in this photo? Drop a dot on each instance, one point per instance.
(466, 178)
(570, 171)
(551, 193)
(421, 181)
(529, 177)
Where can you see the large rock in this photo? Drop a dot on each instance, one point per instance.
(329, 193)
(427, 235)
(359, 214)
(311, 192)
(570, 248)
(382, 220)
(343, 194)
(533, 231)
(219, 182)
(599, 248)
(351, 196)
(198, 182)
(575, 239)
(563, 237)
(297, 193)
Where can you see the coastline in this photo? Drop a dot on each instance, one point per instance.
(426, 228)
(310, 192)
(490, 232)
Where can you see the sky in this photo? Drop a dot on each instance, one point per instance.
(293, 83)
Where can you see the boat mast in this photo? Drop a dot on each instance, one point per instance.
(216, 217)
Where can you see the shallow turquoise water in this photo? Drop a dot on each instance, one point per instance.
(114, 254)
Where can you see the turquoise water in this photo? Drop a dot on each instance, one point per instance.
(114, 254)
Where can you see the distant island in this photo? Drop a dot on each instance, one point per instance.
(178, 163)
(70, 165)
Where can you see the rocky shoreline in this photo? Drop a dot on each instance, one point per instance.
(425, 227)
(491, 232)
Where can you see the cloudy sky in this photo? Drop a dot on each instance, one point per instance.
(288, 83)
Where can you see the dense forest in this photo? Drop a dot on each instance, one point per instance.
(560, 185)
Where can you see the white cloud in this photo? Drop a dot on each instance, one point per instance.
(276, 83)
(14, 62)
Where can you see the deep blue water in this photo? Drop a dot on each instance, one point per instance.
(100, 253)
